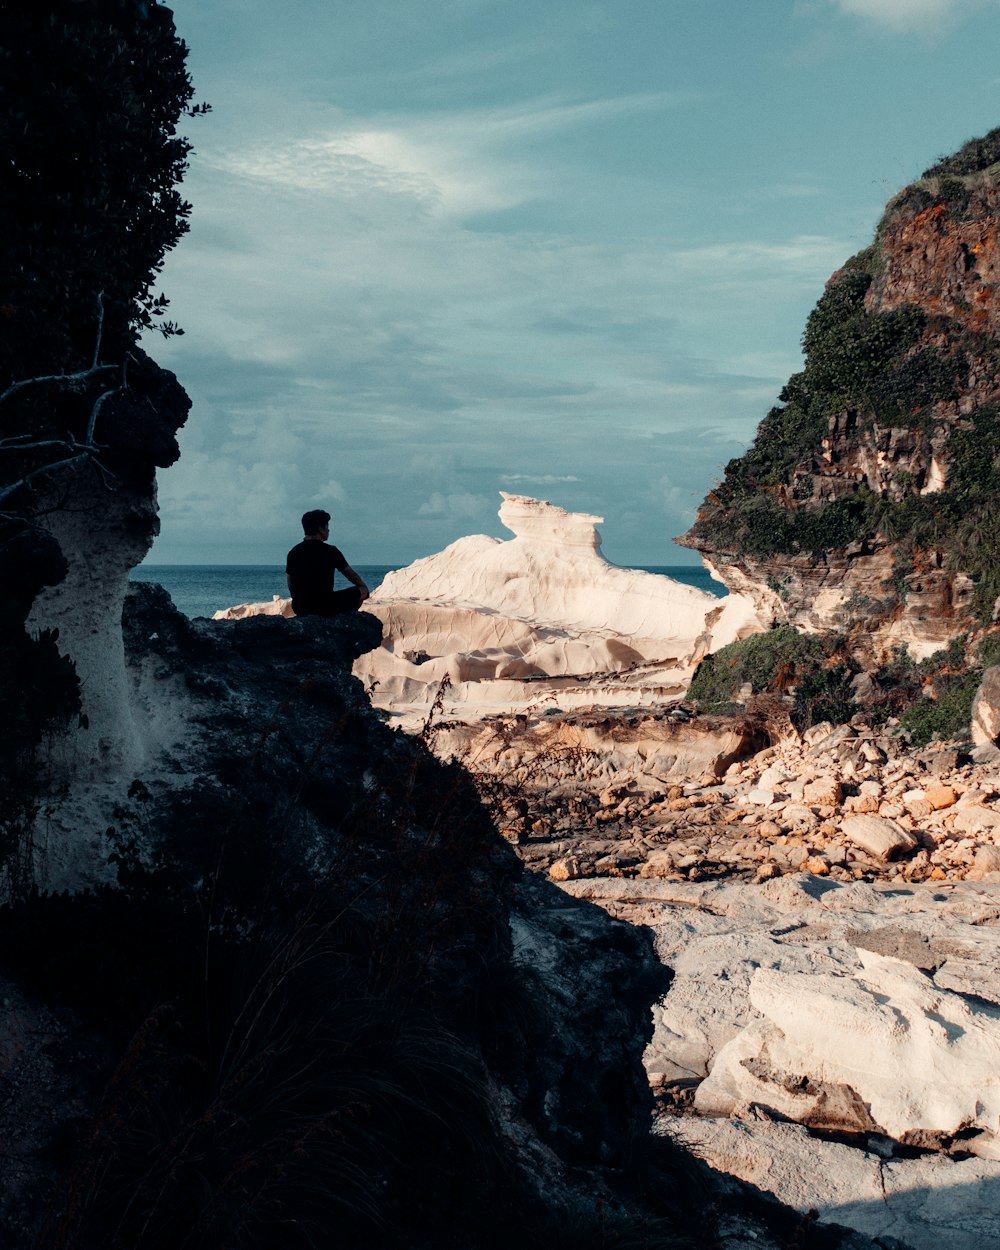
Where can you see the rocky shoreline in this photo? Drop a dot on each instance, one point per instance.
(650, 794)
(827, 904)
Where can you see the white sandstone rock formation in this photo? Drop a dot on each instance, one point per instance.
(542, 615)
(884, 1050)
(86, 609)
(871, 1010)
(277, 607)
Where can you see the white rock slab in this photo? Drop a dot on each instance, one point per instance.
(881, 838)
(890, 991)
(931, 1203)
(922, 1060)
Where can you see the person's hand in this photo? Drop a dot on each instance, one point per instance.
(365, 593)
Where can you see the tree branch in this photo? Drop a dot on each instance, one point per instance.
(28, 478)
(89, 440)
(100, 329)
(82, 376)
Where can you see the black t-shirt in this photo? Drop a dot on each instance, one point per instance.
(310, 567)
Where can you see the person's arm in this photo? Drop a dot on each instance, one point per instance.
(358, 581)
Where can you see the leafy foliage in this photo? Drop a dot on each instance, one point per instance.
(971, 157)
(932, 698)
(861, 365)
(947, 713)
(809, 667)
(90, 97)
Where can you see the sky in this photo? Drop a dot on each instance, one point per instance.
(441, 249)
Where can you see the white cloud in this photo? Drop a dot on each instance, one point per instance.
(452, 163)
(805, 253)
(329, 490)
(454, 505)
(537, 479)
(908, 15)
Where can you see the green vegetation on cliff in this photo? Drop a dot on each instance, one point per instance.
(813, 670)
(861, 368)
(815, 481)
(822, 682)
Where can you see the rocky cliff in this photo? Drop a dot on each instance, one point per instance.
(322, 985)
(866, 503)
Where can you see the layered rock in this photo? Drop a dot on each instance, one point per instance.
(104, 519)
(540, 616)
(891, 423)
(272, 789)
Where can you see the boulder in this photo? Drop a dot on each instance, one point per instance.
(976, 819)
(880, 838)
(885, 1050)
(985, 727)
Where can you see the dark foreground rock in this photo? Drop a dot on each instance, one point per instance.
(323, 999)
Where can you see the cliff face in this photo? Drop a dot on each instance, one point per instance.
(337, 970)
(866, 503)
(103, 518)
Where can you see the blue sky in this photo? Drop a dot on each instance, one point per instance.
(444, 248)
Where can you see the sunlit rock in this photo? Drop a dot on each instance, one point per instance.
(541, 615)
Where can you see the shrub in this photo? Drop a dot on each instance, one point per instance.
(785, 661)
(946, 715)
(869, 366)
(971, 157)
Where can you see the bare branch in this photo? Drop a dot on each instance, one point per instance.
(89, 440)
(69, 443)
(100, 329)
(82, 376)
(28, 478)
(65, 444)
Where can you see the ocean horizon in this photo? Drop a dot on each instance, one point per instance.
(202, 589)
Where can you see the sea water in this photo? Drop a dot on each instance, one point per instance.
(201, 589)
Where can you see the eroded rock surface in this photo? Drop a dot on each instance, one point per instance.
(265, 770)
(542, 615)
(810, 524)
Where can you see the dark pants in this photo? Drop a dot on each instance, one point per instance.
(332, 603)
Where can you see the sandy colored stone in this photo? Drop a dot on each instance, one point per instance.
(986, 863)
(798, 816)
(883, 839)
(976, 819)
(927, 1203)
(941, 797)
(565, 869)
(823, 792)
(917, 1059)
(658, 864)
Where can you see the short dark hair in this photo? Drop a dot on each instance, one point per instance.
(313, 522)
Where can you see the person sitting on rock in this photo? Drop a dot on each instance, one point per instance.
(310, 567)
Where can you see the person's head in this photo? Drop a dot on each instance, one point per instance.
(315, 521)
